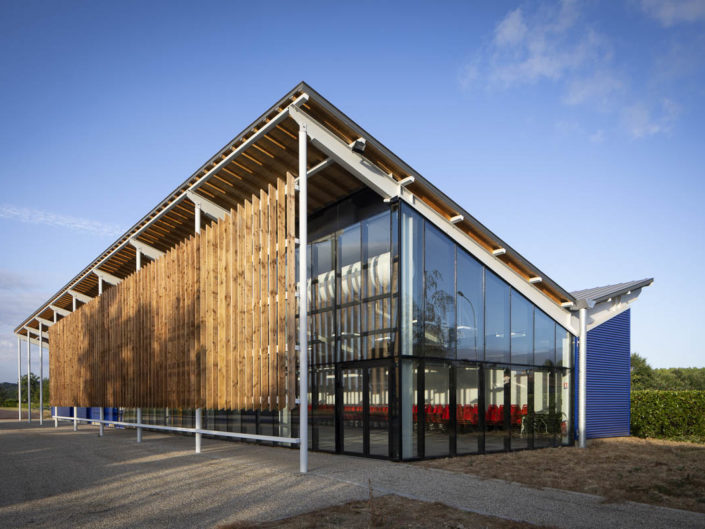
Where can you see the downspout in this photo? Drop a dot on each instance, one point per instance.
(582, 366)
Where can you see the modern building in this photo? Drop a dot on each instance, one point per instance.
(426, 334)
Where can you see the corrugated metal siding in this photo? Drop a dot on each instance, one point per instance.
(608, 378)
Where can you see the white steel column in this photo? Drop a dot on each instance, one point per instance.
(100, 286)
(139, 421)
(29, 378)
(41, 377)
(582, 366)
(75, 418)
(19, 378)
(199, 411)
(199, 425)
(139, 258)
(303, 302)
(102, 418)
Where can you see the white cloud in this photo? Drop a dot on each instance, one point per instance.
(512, 30)
(544, 44)
(642, 121)
(672, 12)
(560, 46)
(597, 137)
(599, 88)
(34, 216)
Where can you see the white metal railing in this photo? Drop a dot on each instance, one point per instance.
(215, 433)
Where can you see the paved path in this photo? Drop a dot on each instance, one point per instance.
(57, 478)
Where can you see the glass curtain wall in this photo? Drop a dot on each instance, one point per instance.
(493, 371)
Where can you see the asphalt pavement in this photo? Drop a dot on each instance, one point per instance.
(57, 478)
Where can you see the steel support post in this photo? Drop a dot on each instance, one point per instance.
(582, 366)
(75, 418)
(19, 378)
(102, 418)
(197, 218)
(29, 378)
(41, 377)
(199, 425)
(303, 301)
(139, 422)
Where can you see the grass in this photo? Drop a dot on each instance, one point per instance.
(387, 511)
(659, 472)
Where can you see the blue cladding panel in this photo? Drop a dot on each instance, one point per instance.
(608, 378)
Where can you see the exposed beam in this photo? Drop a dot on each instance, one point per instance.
(59, 310)
(499, 251)
(36, 332)
(79, 296)
(319, 167)
(44, 322)
(33, 341)
(211, 209)
(457, 219)
(108, 278)
(535, 280)
(146, 249)
(387, 187)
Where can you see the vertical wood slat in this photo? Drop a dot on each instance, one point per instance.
(271, 298)
(281, 293)
(210, 324)
(291, 290)
(241, 303)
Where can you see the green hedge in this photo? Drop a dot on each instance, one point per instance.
(668, 414)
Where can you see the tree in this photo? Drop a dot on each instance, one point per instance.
(642, 374)
(34, 386)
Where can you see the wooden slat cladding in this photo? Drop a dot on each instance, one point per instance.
(210, 324)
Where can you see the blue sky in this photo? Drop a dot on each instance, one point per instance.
(573, 131)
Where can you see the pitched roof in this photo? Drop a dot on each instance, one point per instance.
(598, 294)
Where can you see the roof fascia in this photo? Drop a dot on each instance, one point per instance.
(606, 310)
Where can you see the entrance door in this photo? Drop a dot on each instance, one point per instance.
(364, 414)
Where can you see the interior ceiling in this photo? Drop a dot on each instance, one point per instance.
(261, 163)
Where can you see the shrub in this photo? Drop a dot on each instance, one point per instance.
(668, 414)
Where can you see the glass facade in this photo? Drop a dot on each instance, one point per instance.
(418, 350)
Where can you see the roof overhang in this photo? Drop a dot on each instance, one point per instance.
(266, 150)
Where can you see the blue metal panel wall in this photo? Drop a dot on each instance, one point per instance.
(608, 378)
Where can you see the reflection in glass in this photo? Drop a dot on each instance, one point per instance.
(519, 409)
(379, 411)
(544, 340)
(563, 406)
(522, 329)
(565, 350)
(440, 291)
(496, 319)
(437, 408)
(467, 412)
(409, 408)
(349, 272)
(412, 282)
(323, 412)
(496, 393)
(470, 308)
(352, 411)
(544, 419)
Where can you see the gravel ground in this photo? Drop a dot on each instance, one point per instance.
(57, 478)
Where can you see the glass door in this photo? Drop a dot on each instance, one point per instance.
(352, 419)
(364, 416)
